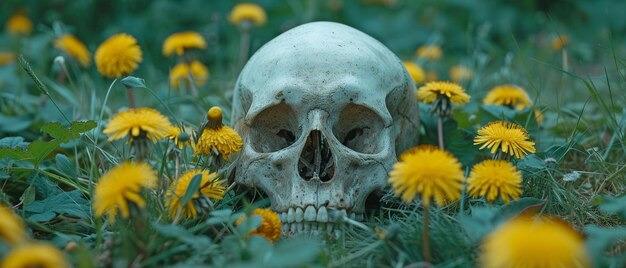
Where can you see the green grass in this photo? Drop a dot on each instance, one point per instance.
(48, 171)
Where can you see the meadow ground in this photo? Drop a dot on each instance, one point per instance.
(111, 154)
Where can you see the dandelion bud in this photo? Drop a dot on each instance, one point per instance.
(59, 60)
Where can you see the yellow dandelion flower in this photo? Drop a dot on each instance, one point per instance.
(6, 58)
(508, 95)
(139, 123)
(182, 72)
(215, 136)
(493, 178)
(118, 56)
(429, 171)
(560, 42)
(120, 186)
(429, 92)
(12, 229)
(248, 12)
(270, 227)
(429, 52)
(73, 47)
(40, 255)
(19, 24)
(177, 43)
(524, 242)
(180, 137)
(415, 71)
(459, 73)
(509, 138)
(210, 187)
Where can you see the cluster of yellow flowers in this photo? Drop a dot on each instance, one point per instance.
(192, 72)
(121, 185)
(117, 56)
(120, 54)
(441, 178)
(428, 55)
(119, 192)
(24, 252)
(435, 174)
(140, 123)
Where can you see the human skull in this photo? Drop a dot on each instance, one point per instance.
(323, 110)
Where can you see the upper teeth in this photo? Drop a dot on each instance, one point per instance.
(311, 219)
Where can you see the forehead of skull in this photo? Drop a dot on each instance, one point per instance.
(322, 59)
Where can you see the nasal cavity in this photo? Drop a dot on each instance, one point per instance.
(316, 159)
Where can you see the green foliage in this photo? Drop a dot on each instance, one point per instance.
(38, 150)
(52, 151)
(192, 189)
(133, 82)
(72, 204)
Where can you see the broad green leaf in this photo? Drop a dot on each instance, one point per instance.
(294, 253)
(28, 196)
(192, 189)
(611, 205)
(15, 153)
(198, 242)
(41, 149)
(531, 162)
(479, 223)
(42, 217)
(519, 206)
(44, 187)
(460, 144)
(483, 220)
(600, 240)
(65, 166)
(69, 203)
(38, 150)
(223, 216)
(65, 134)
(13, 142)
(249, 224)
(14, 124)
(134, 82)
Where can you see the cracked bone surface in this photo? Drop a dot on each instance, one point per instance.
(323, 109)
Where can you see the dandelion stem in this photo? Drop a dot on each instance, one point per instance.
(69, 77)
(425, 238)
(244, 45)
(192, 82)
(440, 131)
(565, 60)
(96, 132)
(104, 105)
(131, 97)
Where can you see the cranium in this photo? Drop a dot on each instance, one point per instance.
(323, 109)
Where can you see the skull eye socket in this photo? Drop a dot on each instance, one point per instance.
(359, 128)
(273, 129)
